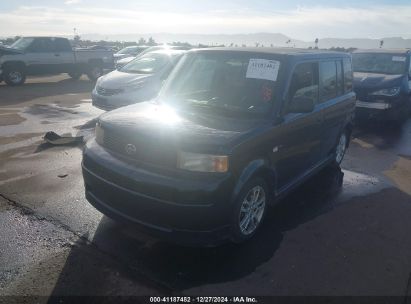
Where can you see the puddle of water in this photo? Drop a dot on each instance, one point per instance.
(59, 119)
(359, 184)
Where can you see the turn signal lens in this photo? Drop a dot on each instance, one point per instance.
(202, 162)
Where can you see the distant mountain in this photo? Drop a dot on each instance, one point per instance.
(236, 39)
(265, 39)
(391, 42)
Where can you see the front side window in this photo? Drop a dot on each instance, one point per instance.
(227, 81)
(62, 45)
(391, 64)
(147, 64)
(304, 82)
(328, 80)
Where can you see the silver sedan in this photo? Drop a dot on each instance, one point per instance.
(139, 80)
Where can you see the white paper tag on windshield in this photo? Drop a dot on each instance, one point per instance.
(263, 69)
(398, 58)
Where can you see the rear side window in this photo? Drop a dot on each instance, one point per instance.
(61, 45)
(328, 80)
(304, 82)
(347, 75)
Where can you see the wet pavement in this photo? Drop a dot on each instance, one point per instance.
(344, 232)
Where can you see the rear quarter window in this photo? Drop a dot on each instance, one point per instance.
(348, 77)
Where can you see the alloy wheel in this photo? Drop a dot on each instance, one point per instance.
(341, 147)
(252, 210)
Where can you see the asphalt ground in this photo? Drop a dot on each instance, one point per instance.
(343, 233)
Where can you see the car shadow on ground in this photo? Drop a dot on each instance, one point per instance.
(382, 135)
(178, 268)
(18, 94)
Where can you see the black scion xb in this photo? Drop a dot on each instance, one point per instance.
(232, 131)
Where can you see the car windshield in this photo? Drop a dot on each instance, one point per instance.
(152, 49)
(227, 81)
(379, 63)
(147, 64)
(128, 50)
(22, 43)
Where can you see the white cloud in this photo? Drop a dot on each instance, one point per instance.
(302, 23)
(71, 2)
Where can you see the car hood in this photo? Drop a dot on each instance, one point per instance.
(373, 81)
(9, 51)
(187, 128)
(117, 79)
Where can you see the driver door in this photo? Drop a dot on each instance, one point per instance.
(42, 57)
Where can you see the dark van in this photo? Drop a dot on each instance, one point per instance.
(382, 82)
(232, 131)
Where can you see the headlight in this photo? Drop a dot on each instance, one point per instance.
(99, 80)
(99, 134)
(202, 162)
(387, 92)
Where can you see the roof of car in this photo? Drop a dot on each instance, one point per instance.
(383, 51)
(277, 51)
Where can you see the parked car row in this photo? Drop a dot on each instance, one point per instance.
(382, 81)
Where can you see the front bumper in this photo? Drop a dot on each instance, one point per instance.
(170, 206)
(382, 109)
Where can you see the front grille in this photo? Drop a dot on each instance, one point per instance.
(157, 150)
(108, 92)
(362, 95)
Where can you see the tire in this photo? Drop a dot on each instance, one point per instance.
(242, 229)
(75, 75)
(95, 72)
(341, 147)
(14, 76)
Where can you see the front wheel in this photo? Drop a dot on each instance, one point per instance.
(14, 76)
(75, 75)
(95, 72)
(249, 210)
(341, 148)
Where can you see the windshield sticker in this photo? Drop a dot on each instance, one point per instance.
(263, 69)
(398, 58)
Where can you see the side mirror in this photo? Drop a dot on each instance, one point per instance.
(301, 104)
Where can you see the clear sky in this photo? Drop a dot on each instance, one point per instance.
(304, 20)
